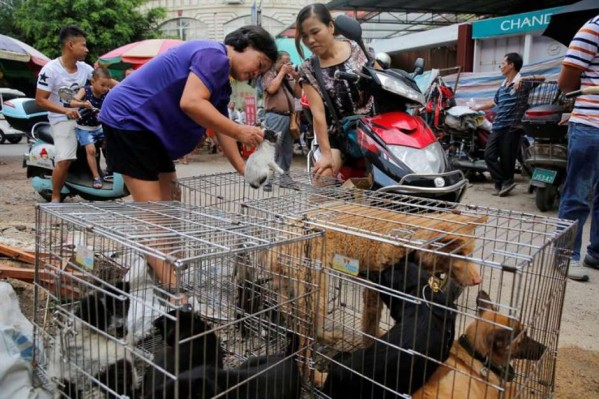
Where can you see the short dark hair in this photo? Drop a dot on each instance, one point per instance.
(255, 37)
(318, 10)
(281, 54)
(101, 72)
(516, 59)
(69, 32)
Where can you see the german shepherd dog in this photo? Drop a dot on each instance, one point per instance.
(398, 361)
(481, 357)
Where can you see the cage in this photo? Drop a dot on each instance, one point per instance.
(402, 310)
(112, 324)
(229, 191)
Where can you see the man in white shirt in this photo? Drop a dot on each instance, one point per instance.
(57, 82)
(233, 113)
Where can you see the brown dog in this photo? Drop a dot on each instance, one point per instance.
(480, 359)
(443, 233)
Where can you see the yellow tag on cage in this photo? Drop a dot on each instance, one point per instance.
(346, 265)
(85, 257)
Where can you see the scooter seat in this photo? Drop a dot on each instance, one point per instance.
(43, 132)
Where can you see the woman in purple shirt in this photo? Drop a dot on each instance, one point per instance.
(160, 113)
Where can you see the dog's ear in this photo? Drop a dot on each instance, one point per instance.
(483, 301)
(498, 342)
(167, 329)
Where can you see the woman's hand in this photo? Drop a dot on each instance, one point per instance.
(324, 166)
(250, 135)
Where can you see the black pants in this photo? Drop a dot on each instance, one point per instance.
(500, 155)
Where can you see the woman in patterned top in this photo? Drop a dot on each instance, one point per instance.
(315, 29)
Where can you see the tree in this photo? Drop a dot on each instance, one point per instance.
(7, 19)
(109, 23)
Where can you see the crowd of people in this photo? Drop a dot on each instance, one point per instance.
(159, 113)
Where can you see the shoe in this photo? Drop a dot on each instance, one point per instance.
(591, 262)
(506, 188)
(267, 187)
(575, 272)
(496, 192)
(97, 183)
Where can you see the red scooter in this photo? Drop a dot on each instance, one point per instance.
(399, 152)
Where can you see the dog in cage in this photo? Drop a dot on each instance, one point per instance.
(259, 377)
(253, 294)
(195, 340)
(261, 165)
(92, 339)
(404, 358)
(480, 359)
(441, 235)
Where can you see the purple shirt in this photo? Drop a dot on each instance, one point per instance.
(148, 99)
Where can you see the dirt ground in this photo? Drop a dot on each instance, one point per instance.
(578, 354)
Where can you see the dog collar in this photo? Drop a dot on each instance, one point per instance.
(500, 371)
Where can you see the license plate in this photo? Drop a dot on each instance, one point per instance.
(544, 175)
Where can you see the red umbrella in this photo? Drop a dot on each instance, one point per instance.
(134, 55)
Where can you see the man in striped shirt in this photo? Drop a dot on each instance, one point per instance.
(502, 146)
(580, 69)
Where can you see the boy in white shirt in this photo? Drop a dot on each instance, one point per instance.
(58, 81)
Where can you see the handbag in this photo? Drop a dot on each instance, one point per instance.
(294, 129)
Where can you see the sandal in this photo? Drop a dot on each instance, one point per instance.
(97, 183)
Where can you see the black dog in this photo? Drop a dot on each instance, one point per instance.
(203, 349)
(106, 311)
(262, 377)
(420, 327)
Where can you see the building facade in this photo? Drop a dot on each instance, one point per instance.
(214, 19)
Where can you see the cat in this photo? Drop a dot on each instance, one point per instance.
(261, 166)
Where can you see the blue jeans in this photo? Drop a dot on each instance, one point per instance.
(582, 179)
(87, 137)
(280, 123)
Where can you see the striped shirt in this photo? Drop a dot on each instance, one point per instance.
(583, 54)
(510, 105)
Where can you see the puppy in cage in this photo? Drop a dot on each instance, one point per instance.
(401, 360)
(479, 365)
(261, 165)
(92, 337)
(259, 377)
(183, 331)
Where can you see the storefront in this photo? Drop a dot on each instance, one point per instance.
(519, 33)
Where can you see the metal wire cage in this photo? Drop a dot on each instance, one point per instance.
(229, 191)
(373, 239)
(112, 325)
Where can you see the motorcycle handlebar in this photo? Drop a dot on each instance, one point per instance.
(350, 77)
(586, 90)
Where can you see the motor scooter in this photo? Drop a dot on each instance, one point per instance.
(548, 154)
(39, 161)
(463, 132)
(399, 151)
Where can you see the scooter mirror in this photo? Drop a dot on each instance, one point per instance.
(351, 29)
(418, 66)
(66, 94)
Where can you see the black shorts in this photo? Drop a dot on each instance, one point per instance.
(136, 153)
